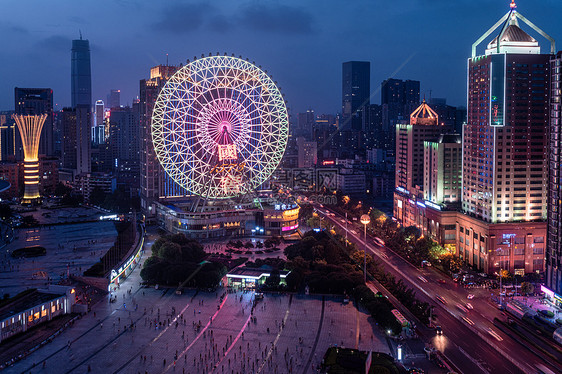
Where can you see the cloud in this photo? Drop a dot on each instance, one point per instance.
(219, 23)
(184, 18)
(15, 29)
(271, 18)
(56, 43)
(276, 19)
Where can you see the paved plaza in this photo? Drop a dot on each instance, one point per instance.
(71, 248)
(153, 331)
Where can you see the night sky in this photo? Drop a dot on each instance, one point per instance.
(300, 43)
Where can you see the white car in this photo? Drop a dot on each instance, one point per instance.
(470, 296)
(353, 231)
(469, 306)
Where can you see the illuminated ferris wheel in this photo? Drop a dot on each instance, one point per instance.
(220, 127)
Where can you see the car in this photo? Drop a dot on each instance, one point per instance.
(416, 371)
(470, 296)
(379, 241)
(353, 231)
(469, 306)
(422, 279)
(438, 330)
(441, 299)
(467, 320)
(442, 281)
(426, 263)
(462, 307)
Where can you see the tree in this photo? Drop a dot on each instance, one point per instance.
(273, 279)
(313, 222)
(171, 252)
(97, 196)
(505, 274)
(29, 221)
(61, 189)
(527, 288)
(5, 211)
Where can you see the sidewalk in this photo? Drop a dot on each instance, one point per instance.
(537, 303)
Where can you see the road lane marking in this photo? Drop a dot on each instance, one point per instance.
(475, 361)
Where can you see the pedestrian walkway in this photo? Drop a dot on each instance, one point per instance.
(154, 331)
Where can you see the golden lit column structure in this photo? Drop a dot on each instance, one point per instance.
(30, 127)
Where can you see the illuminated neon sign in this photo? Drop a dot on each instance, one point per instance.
(497, 90)
(227, 152)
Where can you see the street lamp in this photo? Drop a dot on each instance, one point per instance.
(365, 220)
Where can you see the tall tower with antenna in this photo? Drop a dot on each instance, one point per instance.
(29, 127)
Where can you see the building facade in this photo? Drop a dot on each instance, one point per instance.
(36, 101)
(424, 125)
(442, 160)
(81, 74)
(356, 92)
(554, 236)
(221, 219)
(33, 308)
(505, 138)
(307, 153)
(501, 224)
(152, 175)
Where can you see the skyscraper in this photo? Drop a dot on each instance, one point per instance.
(76, 142)
(98, 130)
(37, 101)
(153, 181)
(504, 152)
(401, 97)
(398, 99)
(442, 175)
(424, 125)
(114, 99)
(81, 76)
(504, 164)
(356, 92)
(554, 229)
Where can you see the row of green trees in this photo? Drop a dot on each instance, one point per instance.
(321, 262)
(176, 260)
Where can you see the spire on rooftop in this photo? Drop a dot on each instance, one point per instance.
(424, 115)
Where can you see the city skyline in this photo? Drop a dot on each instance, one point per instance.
(122, 52)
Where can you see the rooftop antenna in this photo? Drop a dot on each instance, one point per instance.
(167, 59)
(80, 31)
(511, 16)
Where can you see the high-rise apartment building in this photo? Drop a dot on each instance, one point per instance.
(554, 229)
(153, 182)
(442, 160)
(99, 113)
(424, 125)
(81, 75)
(356, 92)
(307, 153)
(37, 101)
(75, 123)
(98, 130)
